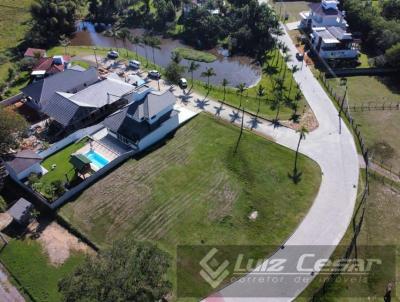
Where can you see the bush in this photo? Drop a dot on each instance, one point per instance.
(3, 205)
(174, 72)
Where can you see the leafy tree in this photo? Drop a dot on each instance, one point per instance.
(208, 74)
(192, 68)
(12, 126)
(239, 91)
(3, 205)
(391, 9)
(51, 19)
(393, 55)
(173, 72)
(165, 12)
(128, 271)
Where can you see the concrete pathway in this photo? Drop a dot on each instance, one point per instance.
(328, 218)
(8, 292)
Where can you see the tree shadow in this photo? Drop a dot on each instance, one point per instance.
(295, 176)
(254, 122)
(234, 116)
(218, 110)
(202, 104)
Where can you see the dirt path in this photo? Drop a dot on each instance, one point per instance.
(57, 242)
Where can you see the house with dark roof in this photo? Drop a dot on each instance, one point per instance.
(21, 164)
(69, 81)
(76, 110)
(144, 122)
(21, 211)
(323, 14)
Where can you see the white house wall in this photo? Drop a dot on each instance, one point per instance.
(36, 168)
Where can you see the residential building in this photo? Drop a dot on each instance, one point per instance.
(21, 211)
(334, 43)
(69, 81)
(142, 123)
(49, 66)
(21, 164)
(77, 110)
(323, 14)
(35, 52)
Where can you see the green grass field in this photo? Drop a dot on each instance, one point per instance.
(292, 8)
(380, 128)
(195, 55)
(193, 190)
(381, 219)
(27, 262)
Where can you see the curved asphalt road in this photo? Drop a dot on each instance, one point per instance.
(327, 220)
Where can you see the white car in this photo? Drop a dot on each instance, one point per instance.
(134, 64)
(113, 54)
(183, 83)
(154, 74)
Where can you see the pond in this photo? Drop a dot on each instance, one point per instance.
(236, 69)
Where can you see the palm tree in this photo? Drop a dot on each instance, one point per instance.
(294, 69)
(192, 68)
(145, 41)
(295, 105)
(154, 42)
(260, 94)
(287, 58)
(240, 90)
(278, 97)
(224, 84)
(64, 41)
(285, 49)
(124, 34)
(115, 35)
(302, 135)
(208, 74)
(176, 57)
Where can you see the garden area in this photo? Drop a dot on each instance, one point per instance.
(31, 267)
(51, 184)
(291, 8)
(170, 196)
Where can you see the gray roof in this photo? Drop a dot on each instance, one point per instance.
(154, 103)
(77, 68)
(65, 81)
(22, 160)
(20, 211)
(65, 107)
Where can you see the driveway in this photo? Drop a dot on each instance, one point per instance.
(329, 216)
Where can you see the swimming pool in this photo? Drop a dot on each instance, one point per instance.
(97, 159)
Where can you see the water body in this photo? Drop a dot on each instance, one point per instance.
(236, 69)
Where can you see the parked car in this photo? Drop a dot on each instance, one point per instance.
(183, 83)
(113, 54)
(134, 64)
(154, 74)
(299, 56)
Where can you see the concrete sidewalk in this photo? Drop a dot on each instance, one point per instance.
(328, 218)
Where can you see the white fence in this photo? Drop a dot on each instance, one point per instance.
(77, 135)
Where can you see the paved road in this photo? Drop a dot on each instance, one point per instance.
(328, 219)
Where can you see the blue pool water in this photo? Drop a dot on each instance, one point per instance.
(97, 159)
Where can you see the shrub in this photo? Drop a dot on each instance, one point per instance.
(3, 205)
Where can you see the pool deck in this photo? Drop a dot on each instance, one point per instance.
(99, 148)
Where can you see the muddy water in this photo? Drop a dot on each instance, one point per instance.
(236, 69)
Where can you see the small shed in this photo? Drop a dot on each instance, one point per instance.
(21, 211)
(23, 163)
(80, 163)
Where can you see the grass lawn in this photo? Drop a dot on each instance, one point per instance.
(195, 55)
(380, 128)
(27, 262)
(193, 190)
(83, 64)
(61, 159)
(380, 223)
(292, 8)
(249, 101)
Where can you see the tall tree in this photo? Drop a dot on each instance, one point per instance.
(129, 271)
(278, 98)
(192, 68)
(260, 94)
(239, 91)
(125, 35)
(154, 43)
(302, 135)
(224, 84)
(64, 41)
(135, 40)
(208, 74)
(145, 42)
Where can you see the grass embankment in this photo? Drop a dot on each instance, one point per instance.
(380, 128)
(249, 100)
(195, 55)
(380, 220)
(28, 263)
(193, 190)
(13, 26)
